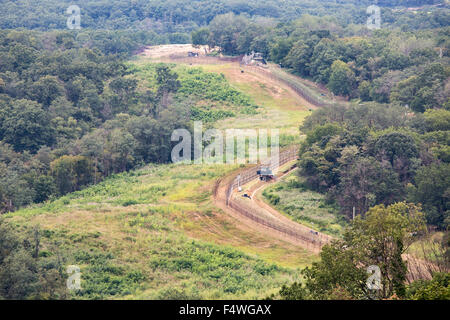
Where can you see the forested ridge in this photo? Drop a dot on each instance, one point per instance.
(64, 85)
(74, 110)
(179, 15)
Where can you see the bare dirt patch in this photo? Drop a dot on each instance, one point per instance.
(164, 51)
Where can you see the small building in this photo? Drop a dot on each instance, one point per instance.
(255, 59)
(192, 54)
(258, 58)
(265, 174)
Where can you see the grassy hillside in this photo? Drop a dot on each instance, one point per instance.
(130, 236)
(210, 96)
(263, 102)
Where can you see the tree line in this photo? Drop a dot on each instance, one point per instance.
(71, 115)
(375, 243)
(175, 15)
(370, 154)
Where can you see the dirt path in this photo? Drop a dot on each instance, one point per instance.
(419, 268)
(256, 198)
(220, 201)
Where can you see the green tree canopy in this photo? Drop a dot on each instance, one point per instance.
(26, 126)
(342, 79)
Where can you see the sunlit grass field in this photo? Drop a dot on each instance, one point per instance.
(280, 109)
(144, 234)
(304, 206)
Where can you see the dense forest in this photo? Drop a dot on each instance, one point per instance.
(400, 155)
(184, 16)
(54, 94)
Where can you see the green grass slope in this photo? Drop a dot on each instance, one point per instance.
(129, 236)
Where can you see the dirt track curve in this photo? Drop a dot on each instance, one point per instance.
(258, 215)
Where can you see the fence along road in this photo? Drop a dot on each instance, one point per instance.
(310, 239)
(272, 73)
(290, 81)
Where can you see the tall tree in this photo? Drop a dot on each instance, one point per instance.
(432, 190)
(167, 83)
(342, 79)
(378, 241)
(26, 126)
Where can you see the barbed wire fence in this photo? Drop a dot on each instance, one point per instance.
(311, 239)
(181, 58)
(272, 73)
